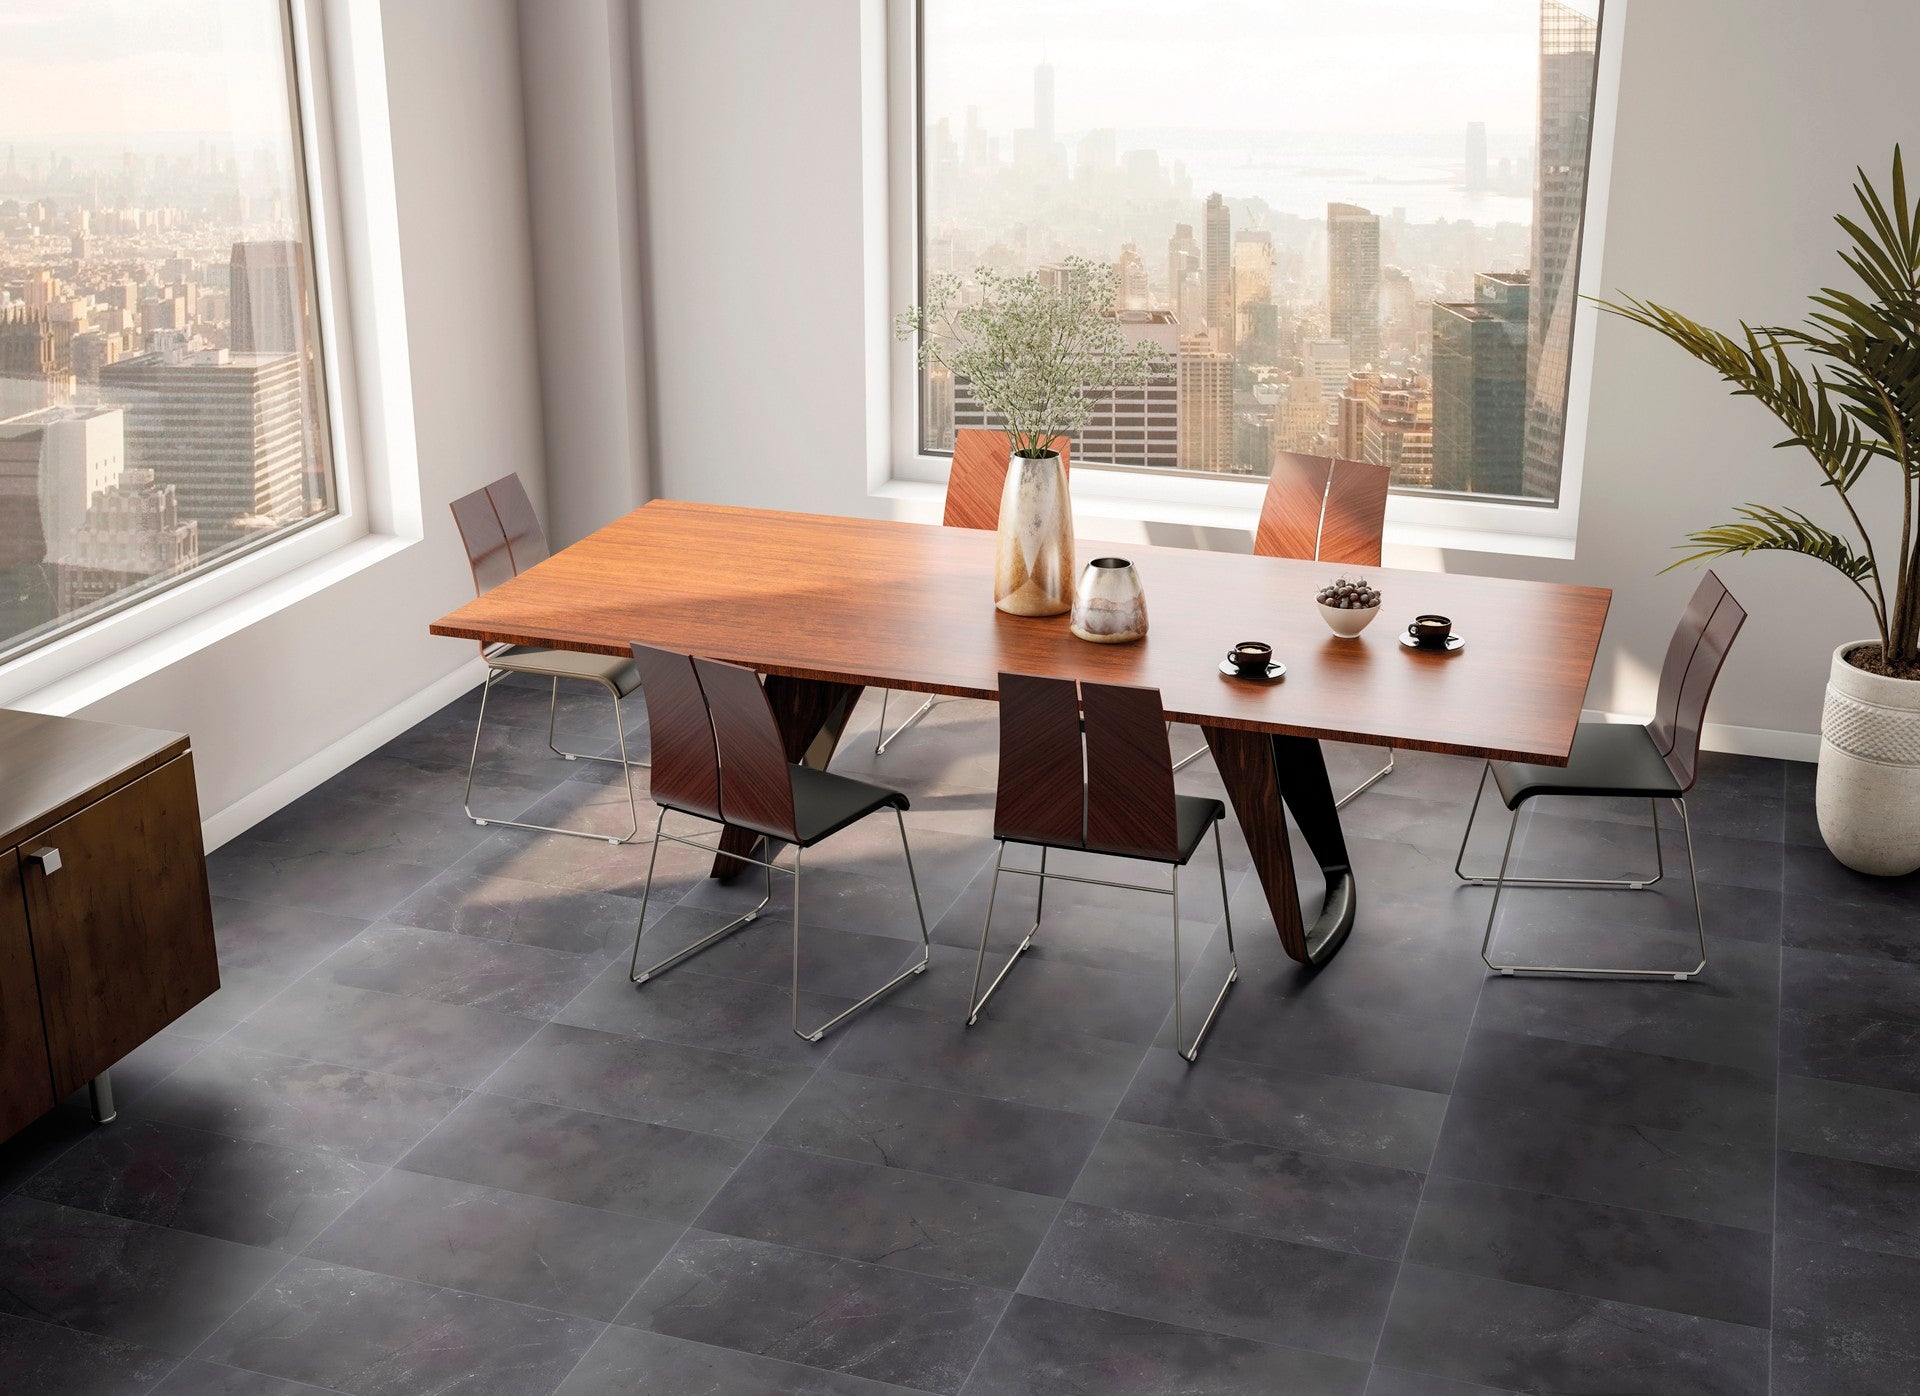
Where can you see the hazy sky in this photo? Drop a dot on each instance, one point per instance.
(1276, 65)
(107, 69)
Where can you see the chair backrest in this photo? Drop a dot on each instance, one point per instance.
(1111, 791)
(1042, 791)
(525, 539)
(1694, 657)
(484, 540)
(756, 780)
(1130, 804)
(978, 476)
(686, 763)
(1320, 508)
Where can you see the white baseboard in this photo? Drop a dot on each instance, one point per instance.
(289, 786)
(1737, 741)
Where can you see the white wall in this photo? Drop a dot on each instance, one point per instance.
(582, 185)
(1735, 145)
(277, 705)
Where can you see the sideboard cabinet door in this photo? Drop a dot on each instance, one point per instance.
(26, 1084)
(121, 922)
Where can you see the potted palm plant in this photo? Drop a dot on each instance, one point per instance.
(1037, 354)
(1855, 409)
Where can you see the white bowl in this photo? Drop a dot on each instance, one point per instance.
(1345, 623)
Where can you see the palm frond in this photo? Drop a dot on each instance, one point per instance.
(1778, 530)
(1760, 368)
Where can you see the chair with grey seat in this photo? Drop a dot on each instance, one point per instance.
(1615, 760)
(718, 756)
(503, 538)
(1123, 805)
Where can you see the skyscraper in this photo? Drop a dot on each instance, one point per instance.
(1129, 279)
(225, 430)
(1568, 40)
(1476, 172)
(1353, 280)
(1183, 256)
(1219, 272)
(29, 365)
(1043, 103)
(133, 533)
(1206, 404)
(269, 298)
(1480, 387)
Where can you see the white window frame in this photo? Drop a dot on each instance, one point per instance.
(1435, 521)
(339, 76)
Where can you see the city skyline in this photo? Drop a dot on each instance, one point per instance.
(159, 402)
(1325, 57)
(1415, 311)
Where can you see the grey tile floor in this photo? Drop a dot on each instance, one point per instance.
(428, 1139)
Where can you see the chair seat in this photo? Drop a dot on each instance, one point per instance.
(1195, 813)
(1608, 758)
(824, 803)
(608, 669)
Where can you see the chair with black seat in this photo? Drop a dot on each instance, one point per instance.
(1124, 804)
(1616, 760)
(718, 756)
(1323, 509)
(502, 536)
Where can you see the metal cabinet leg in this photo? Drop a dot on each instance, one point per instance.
(100, 1096)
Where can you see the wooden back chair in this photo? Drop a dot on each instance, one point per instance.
(1323, 509)
(1085, 766)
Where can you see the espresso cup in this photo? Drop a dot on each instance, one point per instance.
(1431, 630)
(1251, 655)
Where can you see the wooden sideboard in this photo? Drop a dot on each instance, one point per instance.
(106, 926)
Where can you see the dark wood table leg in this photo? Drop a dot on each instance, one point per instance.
(812, 714)
(1265, 777)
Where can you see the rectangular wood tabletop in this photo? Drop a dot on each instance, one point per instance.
(910, 606)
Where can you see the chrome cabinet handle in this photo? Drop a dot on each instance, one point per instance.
(48, 859)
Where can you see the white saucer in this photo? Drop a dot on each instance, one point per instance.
(1454, 642)
(1234, 671)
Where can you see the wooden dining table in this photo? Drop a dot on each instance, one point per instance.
(826, 606)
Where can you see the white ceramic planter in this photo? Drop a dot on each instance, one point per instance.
(1868, 792)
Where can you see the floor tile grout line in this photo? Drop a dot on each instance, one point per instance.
(1047, 1235)
(205, 1043)
(1426, 1177)
(1780, 1009)
(733, 1172)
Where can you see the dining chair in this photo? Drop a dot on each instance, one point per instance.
(1102, 783)
(718, 756)
(1656, 762)
(974, 484)
(1323, 509)
(503, 538)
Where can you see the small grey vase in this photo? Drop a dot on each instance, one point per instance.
(1110, 608)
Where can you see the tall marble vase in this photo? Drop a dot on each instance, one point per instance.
(1867, 793)
(1033, 566)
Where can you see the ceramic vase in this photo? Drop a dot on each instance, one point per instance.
(1867, 793)
(1033, 565)
(1109, 607)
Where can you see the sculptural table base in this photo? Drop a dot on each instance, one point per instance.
(1266, 776)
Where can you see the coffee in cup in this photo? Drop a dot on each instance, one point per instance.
(1251, 655)
(1434, 631)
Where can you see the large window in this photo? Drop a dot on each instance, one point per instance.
(161, 403)
(1353, 226)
